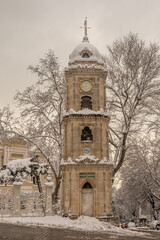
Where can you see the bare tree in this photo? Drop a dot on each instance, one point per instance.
(39, 120)
(150, 156)
(130, 192)
(133, 71)
(153, 119)
(139, 177)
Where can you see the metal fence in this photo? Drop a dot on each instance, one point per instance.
(6, 202)
(17, 201)
(32, 204)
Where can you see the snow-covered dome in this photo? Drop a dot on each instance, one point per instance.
(85, 52)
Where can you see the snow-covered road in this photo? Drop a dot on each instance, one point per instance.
(83, 223)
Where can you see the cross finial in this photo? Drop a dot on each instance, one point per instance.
(85, 29)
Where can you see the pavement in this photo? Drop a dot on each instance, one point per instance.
(16, 232)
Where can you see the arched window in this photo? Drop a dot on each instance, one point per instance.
(87, 185)
(85, 55)
(86, 102)
(86, 134)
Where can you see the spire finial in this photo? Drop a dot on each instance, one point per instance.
(85, 38)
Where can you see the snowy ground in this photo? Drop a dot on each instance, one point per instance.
(83, 223)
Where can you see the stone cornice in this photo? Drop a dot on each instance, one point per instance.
(91, 71)
(86, 167)
(72, 116)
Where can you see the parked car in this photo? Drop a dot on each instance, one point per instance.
(126, 225)
(131, 225)
(148, 223)
(153, 224)
(121, 225)
(158, 225)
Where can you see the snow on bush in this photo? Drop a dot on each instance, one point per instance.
(21, 168)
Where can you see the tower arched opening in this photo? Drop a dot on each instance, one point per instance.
(86, 102)
(86, 134)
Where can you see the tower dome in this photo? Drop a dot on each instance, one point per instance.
(85, 51)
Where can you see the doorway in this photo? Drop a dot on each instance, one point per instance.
(87, 200)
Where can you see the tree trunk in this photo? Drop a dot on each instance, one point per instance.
(39, 183)
(41, 192)
(122, 154)
(55, 193)
(152, 202)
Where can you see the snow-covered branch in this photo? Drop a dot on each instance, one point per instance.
(133, 71)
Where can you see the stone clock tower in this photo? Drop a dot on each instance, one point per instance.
(86, 170)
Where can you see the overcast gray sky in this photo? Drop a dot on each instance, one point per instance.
(28, 28)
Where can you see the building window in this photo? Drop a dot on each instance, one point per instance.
(86, 102)
(15, 155)
(86, 134)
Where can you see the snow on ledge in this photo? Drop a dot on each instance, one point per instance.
(49, 184)
(86, 158)
(91, 158)
(90, 66)
(17, 183)
(86, 111)
(142, 216)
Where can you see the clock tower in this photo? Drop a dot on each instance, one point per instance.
(86, 170)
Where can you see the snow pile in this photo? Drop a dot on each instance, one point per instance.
(90, 224)
(83, 223)
(86, 111)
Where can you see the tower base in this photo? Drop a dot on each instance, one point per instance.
(87, 190)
